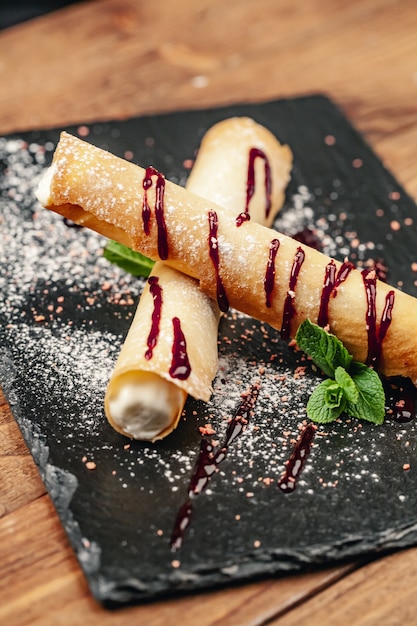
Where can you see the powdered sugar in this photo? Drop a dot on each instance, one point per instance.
(46, 265)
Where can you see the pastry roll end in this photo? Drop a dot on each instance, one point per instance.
(169, 351)
(143, 405)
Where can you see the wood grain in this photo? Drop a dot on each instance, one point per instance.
(382, 592)
(110, 59)
(37, 563)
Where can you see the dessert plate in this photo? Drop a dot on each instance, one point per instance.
(65, 310)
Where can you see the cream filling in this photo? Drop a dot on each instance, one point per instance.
(145, 405)
(43, 191)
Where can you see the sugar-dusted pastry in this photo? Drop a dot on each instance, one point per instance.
(242, 167)
(243, 264)
(171, 348)
(170, 351)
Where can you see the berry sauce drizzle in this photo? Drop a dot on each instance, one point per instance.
(156, 292)
(289, 309)
(256, 153)
(269, 279)
(208, 462)
(159, 209)
(180, 364)
(375, 337)
(242, 217)
(214, 256)
(332, 282)
(288, 481)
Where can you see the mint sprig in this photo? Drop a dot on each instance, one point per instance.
(351, 387)
(133, 262)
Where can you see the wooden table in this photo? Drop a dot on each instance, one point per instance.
(117, 58)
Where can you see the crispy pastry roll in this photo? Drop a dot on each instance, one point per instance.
(171, 348)
(240, 263)
(170, 351)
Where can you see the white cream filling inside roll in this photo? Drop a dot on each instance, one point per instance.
(43, 192)
(143, 408)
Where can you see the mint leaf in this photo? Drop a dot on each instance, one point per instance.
(333, 394)
(347, 383)
(326, 403)
(352, 387)
(325, 349)
(129, 260)
(370, 404)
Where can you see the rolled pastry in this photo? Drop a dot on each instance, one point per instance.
(240, 164)
(170, 351)
(250, 267)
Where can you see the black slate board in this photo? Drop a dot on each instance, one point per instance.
(64, 312)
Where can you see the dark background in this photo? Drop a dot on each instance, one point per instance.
(13, 12)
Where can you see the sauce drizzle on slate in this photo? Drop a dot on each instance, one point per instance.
(207, 464)
(288, 481)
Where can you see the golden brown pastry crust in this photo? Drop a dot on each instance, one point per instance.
(97, 189)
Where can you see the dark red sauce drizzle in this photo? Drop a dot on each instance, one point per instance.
(386, 317)
(288, 481)
(242, 217)
(214, 256)
(269, 279)
(376, 336)
(156, 292)
(159, 209)
(180, 364)
(207, 464)
(332, 281)
(146, 209)
(256, 153)
(289, 309)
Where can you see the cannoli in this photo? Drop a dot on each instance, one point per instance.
(171, 347)
(170, 351)
(242, 264)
